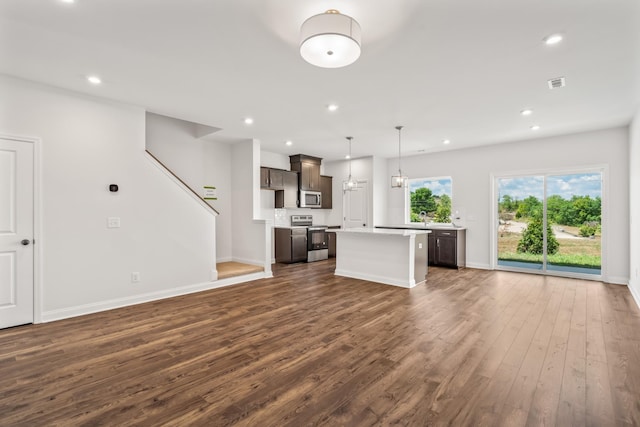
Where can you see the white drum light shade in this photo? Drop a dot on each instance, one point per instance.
(330, 40)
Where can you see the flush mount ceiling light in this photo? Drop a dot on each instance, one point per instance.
(535, 127)
(446, 141)
(288, 143)
(351, 183)
(330, 40)
(248, 121)
(526, 112)
(332, 107)
(399, 181)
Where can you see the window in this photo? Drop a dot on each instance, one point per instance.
(430, 199)
(550, 222)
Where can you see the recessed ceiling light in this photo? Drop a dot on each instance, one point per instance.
(347, 157)
(288, 143)
(553, 39)
(535, 127)
(332, 107)
(68, 1)
(526, 112)
(94, 80)
(248, 121)
(446, 141)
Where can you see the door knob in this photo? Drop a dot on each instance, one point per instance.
(25, 242)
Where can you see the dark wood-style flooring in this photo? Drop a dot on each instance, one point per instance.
(468, 347)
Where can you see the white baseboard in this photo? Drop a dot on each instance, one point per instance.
(224, 259)
(634, 288)
(81, 310)
(616, 280)
(249, 261)
(479, 266)
(375, 278)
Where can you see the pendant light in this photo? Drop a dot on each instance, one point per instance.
(399, 181)
(351, 183)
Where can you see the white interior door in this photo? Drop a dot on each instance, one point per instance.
(16, 232)
(355, 205)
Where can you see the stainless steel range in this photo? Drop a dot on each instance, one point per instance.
(317, 243)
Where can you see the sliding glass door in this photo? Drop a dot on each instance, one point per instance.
(550, 223)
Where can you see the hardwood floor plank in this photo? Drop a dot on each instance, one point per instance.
(599, 402)
(468, 347)
(572, 400)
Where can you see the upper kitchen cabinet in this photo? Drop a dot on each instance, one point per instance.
(288, 196)
(326, 188)
(309, 169)
(272, 179)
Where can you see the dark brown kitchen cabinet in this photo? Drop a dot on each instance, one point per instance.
(326, 188)
(331, 238)
(309, 169)
(447, 248)
(272, 179)
(288, 196)
(264, 177)
(290, 244)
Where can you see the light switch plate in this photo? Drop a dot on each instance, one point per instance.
(113, 222)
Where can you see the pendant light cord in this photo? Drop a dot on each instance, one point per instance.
(399, 149)
(349, 138)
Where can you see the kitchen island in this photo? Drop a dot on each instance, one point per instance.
(392, 257)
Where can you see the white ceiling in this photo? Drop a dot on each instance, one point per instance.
(455, 69)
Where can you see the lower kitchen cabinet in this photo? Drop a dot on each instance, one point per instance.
(331, 237)
(447, 248)
(291, 244)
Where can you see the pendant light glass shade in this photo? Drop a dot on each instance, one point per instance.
(330, 40)
(351, 183)
(399, 181)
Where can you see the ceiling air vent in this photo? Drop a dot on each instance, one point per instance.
(556, 83)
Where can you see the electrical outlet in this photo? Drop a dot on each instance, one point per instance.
(135, 277)
(419, 245)
(113, 222)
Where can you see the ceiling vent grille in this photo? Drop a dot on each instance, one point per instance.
(556, 83)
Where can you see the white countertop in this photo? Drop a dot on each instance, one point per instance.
(383, 231)
(421, 226)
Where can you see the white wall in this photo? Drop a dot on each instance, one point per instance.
(87, 144)
(217, 173)
(381, 183)
(248, 235)
(198, 162)
(634, 204)
(470, 170)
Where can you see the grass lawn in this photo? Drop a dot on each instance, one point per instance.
(573, 252)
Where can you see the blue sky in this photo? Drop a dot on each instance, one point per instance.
(438, 186)
(566, 186)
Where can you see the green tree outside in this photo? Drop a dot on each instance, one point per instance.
(532, 238)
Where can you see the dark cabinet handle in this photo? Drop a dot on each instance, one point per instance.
(25, 242)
